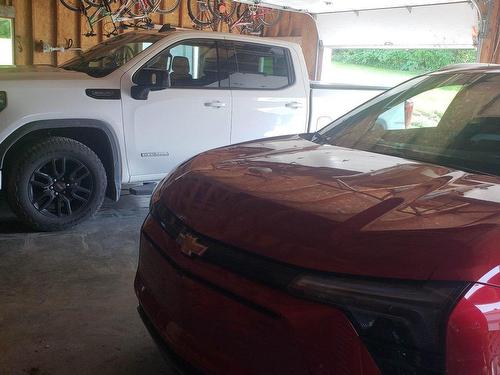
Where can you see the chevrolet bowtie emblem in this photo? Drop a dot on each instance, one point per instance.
(190, 246)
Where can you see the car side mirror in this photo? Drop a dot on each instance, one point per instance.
(147, 80)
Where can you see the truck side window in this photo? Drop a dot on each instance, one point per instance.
(190, 64)
(256, 67)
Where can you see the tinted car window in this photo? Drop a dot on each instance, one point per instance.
(424, 110)
(108, 56)
(446, 119)
(255, 67)
(191, 64)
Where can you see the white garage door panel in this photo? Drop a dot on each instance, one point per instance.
(326, 6)
(439, 26)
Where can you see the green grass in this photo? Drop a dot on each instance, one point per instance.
(373, 70)
(410, 60)
(358, 74)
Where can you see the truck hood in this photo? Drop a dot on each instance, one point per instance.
(340, 210)
(40, 73)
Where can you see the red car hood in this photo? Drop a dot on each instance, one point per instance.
(341, 210)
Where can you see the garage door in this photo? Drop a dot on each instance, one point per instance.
(391, 23)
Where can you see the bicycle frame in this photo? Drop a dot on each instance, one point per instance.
(96, 16)
(251, 16)
(146, 7)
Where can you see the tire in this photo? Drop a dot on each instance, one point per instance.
(168, 6)
(75, 5)
(200, 13)
(55, 184)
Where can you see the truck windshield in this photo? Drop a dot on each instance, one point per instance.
(446, 119)
(108, 56)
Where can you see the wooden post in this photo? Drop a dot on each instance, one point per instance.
(490, 50)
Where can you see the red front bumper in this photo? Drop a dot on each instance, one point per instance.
(222, 323)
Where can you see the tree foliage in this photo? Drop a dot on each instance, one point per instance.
(415, 61)
(5, 29)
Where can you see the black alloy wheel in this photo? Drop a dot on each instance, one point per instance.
(61, 187)
(54, 183)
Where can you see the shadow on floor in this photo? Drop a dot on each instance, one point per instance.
(67, 300)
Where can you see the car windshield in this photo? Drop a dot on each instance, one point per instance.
(447, 119)
(108, 56)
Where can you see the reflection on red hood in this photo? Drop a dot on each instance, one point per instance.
(341, 210)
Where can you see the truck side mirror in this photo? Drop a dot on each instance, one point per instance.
(147, 80)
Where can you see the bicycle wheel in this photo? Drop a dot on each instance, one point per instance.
(75, 5)
(167, 6)
(200, 12)
(109, 28)
(268, 16)
(222, 8)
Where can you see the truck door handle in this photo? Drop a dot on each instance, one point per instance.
(215, 104)
(293, 105)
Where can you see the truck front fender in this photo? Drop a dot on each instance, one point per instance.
(77, 127)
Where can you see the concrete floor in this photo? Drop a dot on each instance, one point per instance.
(67, 304)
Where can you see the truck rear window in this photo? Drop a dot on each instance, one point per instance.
(253, 66)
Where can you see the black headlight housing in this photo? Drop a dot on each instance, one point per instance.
(402, 323)
(3, 100)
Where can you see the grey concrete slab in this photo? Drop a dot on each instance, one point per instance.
(67, 304)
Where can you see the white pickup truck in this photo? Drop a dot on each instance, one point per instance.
(133, 107)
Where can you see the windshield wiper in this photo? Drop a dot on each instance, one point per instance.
(321, 138)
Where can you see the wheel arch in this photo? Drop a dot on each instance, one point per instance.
(95, 134)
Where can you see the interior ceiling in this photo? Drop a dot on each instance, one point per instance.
(333, 6)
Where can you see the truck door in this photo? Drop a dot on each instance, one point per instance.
(190, 116)
(269, 96)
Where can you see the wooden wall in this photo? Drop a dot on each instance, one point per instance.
(490, 51)
(301, 28)
(49, 21)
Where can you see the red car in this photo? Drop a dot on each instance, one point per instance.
(372, 246)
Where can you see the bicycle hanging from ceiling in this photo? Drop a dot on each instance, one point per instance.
(217, 15)
(115, 14)
(231, 16)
